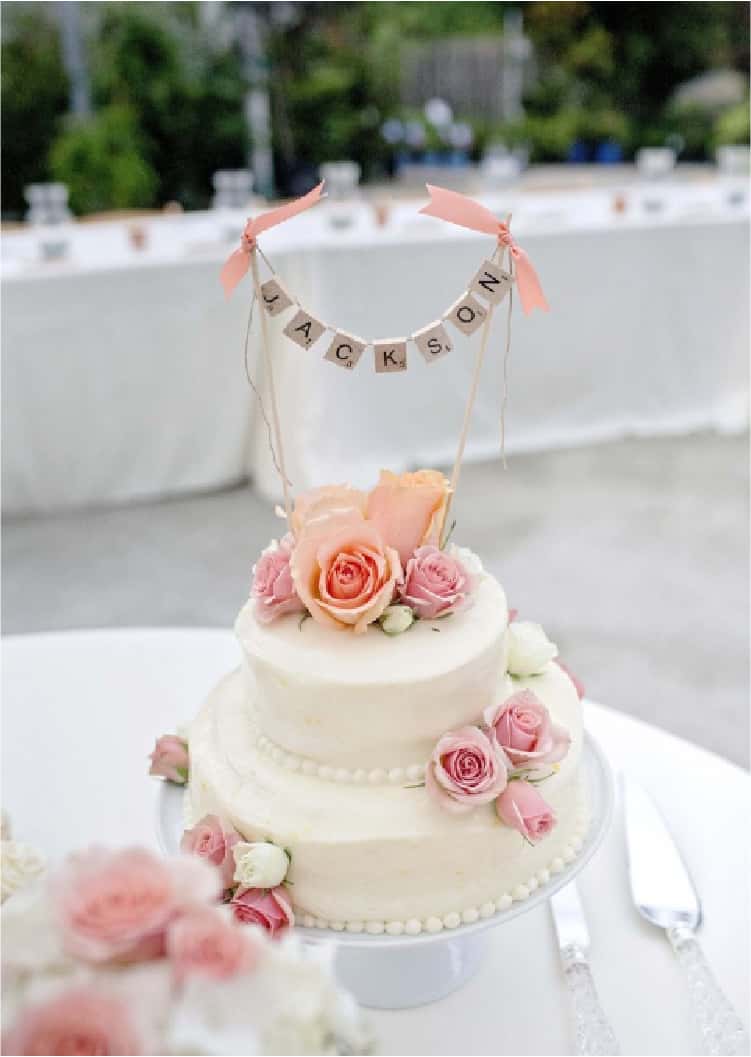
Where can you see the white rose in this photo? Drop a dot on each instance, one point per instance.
(260, 865)
(396, 619)
(20, 864)
(529, 649)
(468, 559)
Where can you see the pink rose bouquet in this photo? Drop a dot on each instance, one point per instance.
(203, 942)
(523, 808)
(344, 574)
(170, 759)
(466, 769)
(522, 727)
(117, 906)
(435, 583)
(273, 589)
(80, 1019)
(268, 907)
(211, 840)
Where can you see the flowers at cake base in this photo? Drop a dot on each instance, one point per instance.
(269, 908)
(170, 759)
(81, 1019)
(273, 589)
(466, 769)
(522, 807)
(260, 864)
(529, 649)
(204, 942)
(522, 727)
(212, 840)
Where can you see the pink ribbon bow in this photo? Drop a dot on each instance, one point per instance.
(237, 264)
(458, 209)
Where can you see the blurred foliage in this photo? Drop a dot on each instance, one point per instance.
(168, 88)
(102, 161)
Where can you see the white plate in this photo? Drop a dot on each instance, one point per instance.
(395, 972)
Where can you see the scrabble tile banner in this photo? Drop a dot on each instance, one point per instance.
(485, 292)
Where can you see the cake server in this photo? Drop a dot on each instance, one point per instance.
(594, 1034)
(664, 894)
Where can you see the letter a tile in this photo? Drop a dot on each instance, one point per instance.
(304, 329)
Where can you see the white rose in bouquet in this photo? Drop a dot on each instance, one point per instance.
(260, 865)
(529, 649)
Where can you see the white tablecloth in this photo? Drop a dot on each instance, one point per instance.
(81, 713)
(123, 371)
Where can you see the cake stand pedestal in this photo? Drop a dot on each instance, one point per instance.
(398, 972)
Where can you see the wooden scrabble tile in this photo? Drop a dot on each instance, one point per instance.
(304, 329)
(467, 314)
(433, 341)
(345, 349)
(274, 296)
(491, 283)
(390, 355)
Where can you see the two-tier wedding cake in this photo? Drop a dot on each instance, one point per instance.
(396, 753)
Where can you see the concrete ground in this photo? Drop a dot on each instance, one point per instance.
(633, 555)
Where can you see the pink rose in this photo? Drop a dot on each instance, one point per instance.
(170, 759)
(522, 807)
(116, 906)
(268, 907)
(435, 583)
(320, 502)
(272, 587)
(343, 572)
(80, 1020)
(466, 769)
(202, 942)
(578, 685)
(408, 509)
(522, 727)
(209, 839)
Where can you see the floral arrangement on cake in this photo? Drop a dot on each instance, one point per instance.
(354, 558)
(124, 952)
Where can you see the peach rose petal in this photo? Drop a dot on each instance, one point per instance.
(408, 509)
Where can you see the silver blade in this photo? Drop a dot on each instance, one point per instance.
(661, 885)
(568, 918)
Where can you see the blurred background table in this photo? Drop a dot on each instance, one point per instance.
(123, 369)
(82, 710)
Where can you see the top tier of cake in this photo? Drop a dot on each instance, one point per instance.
(382, 702)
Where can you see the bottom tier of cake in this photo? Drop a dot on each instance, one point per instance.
(371, 852)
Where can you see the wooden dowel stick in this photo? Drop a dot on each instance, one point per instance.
(469, 409)
(272, 388)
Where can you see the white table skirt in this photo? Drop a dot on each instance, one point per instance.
(82, 710)
(123, 374)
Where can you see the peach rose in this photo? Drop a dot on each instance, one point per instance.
(344, 574)
(79, 1020)
(268, 907)
(522, 807)
(330, 499)
(116, 906)
(408, 509)
(209, 839)
(204, 943)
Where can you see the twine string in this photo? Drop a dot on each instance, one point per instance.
(257, 391)
(506, 358)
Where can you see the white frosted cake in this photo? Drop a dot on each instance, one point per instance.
(409, 754)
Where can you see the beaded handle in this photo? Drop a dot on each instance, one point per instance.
(720, 1026)
(594, 1035)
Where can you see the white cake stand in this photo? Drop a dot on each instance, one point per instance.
(397, 972)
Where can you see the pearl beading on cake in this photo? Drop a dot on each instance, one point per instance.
(376, 776)
(468, 916)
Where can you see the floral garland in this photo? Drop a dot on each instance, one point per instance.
(354, 558)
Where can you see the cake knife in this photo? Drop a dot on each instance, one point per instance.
(594, 1034)
(664, 894)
